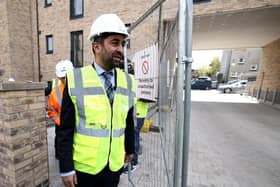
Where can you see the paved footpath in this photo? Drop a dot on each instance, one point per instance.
(141, 177)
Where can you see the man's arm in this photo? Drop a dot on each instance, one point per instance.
(48, 89)
(129, 132)
(65, 133)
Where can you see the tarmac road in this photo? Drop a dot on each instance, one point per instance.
(233, 142)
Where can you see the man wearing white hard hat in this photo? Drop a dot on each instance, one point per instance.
(55, 97)
(96, 135)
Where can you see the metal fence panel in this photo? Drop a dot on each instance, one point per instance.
(157, 158)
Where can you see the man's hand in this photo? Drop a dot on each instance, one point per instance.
(128, 158)
(70, 181)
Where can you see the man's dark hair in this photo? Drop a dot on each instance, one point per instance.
(100, 38)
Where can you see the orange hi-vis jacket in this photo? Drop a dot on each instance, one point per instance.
(54, 103)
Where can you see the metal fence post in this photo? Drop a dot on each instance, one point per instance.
(183, 108)
(188, 72)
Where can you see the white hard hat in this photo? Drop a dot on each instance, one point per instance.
(107, 23)
(62, 67)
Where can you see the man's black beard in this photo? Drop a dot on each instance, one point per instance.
(120, 63)
(110, 63)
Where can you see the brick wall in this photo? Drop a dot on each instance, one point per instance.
(23, 135)
(55, 20)
(267, 86)
(269, 73)
(20, 39)
(5, 64)
(219, 6)
(17, 37)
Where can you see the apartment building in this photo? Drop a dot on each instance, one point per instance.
(241, 63)
(36, 34)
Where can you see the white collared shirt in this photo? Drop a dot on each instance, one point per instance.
(99, 71)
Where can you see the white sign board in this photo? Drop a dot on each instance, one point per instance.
(146, 73)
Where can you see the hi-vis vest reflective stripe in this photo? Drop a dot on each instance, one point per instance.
(142, 109)
(55, 82)
(58, 95)
(99, 135)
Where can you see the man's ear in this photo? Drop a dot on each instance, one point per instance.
(96, 47)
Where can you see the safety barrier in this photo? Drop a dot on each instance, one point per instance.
(157, 28)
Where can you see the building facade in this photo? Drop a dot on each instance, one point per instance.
(18, 41)
(37, 34)
(241, 64)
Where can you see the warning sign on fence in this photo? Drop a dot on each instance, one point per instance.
(146, 73)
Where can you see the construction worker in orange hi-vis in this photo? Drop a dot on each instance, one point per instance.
(55, 97)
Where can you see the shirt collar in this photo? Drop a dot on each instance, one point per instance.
(100, 70)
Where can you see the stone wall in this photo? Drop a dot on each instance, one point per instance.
(23, 135)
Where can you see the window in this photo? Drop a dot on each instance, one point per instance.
(234, 74)
(48, 3)
(253, 67)
(241, 61)
(49, 44)
(77, 48)
(76, 9)
(200, 1)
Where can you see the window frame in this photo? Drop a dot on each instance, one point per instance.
(74, 34)
(48, 4)
(48, 51)
(72, 15)
(200, 1)
(241, 60)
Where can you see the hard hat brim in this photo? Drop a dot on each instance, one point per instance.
(93, 38)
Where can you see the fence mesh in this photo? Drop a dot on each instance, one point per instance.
(157, 159)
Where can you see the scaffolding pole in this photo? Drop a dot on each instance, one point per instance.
(183, 97)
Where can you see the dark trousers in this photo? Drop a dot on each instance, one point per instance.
(105, 178)
(137, 130)
(55, 142)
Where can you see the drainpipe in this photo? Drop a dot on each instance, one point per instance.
(38, 44)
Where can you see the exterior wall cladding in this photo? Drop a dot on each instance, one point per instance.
(19, 29)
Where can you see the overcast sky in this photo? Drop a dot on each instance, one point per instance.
(204, 57)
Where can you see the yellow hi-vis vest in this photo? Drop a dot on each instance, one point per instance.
(55, 82)
(99, 134)
(142, 109)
